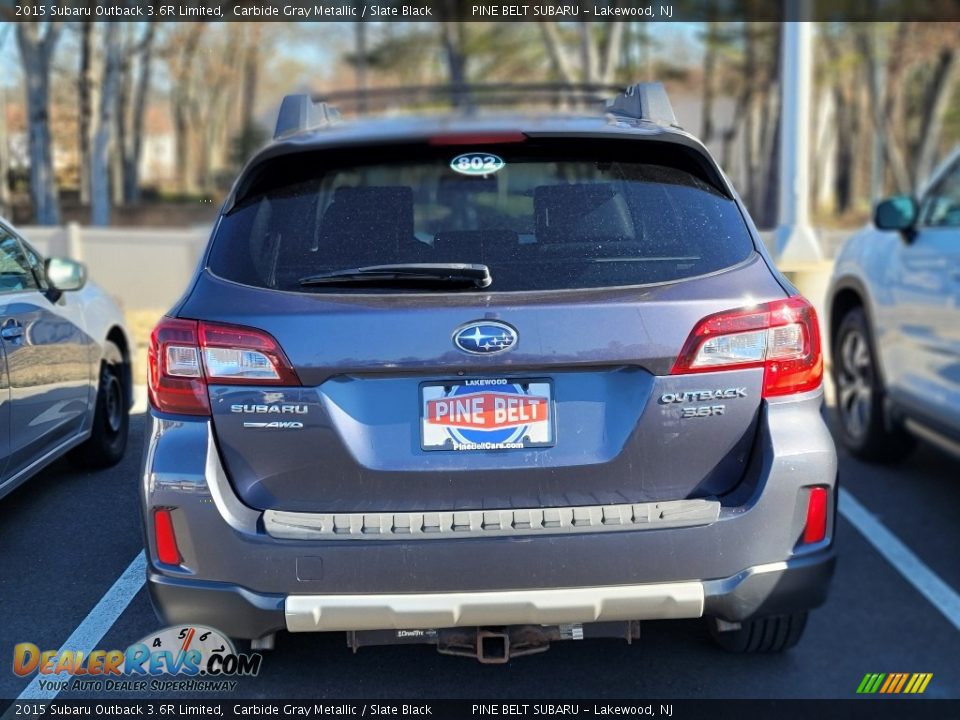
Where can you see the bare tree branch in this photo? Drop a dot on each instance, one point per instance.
(557, 53)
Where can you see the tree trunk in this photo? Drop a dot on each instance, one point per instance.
(561, 62)
(360, 67)
(131, 170)
(36, 52)
(709, 72)
(612, 52)
(766, 213)
(4, 138)
(749, 112)
(4, 153)
(884, 104)
(251, 80)
(121, 120)
(588, 53)
(936, 101)
(452, 37)
(100, 200)
(846, 127)
(182, 100)
(85, 86)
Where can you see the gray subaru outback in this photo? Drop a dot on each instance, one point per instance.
(488, 382)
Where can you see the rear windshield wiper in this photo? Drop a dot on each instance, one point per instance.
(416, 274)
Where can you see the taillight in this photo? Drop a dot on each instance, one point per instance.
(244, 356)
(166, 541)
(782, 337)
(176, 377)
(186, 355)
(816, 528)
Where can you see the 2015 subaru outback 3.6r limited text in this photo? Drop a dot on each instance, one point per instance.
(488, 383)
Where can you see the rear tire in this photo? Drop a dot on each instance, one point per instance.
(111, 419)
(863, 426)
(772, 634)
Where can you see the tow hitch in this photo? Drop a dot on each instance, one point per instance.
(495, 645)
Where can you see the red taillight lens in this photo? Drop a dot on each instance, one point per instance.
(782, 336)
(244, 356)
(176, 377)
(166, 540)
(816, 527)
(186, 354)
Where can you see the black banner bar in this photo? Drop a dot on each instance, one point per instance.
(857, 709)
(481, 11)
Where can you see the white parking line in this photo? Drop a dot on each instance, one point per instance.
(95, 625)
(914, 570)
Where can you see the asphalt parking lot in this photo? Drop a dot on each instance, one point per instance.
(68, 535)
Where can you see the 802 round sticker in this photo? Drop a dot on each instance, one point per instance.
(477, 163)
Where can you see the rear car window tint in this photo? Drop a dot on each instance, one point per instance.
(556, 215)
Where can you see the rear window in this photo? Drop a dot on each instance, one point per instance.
(545, 216)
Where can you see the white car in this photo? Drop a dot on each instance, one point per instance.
(65, 382)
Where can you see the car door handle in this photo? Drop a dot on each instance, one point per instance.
(11, 330)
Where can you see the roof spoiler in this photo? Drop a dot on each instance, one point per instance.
(644, 101)
(300, 112)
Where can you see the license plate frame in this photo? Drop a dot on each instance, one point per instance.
(498, 396)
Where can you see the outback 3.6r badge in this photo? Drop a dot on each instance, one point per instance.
(485, 337)
(696, 396)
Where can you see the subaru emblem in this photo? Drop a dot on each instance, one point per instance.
(485, 337)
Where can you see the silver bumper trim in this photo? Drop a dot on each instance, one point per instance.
(425, 611)
(490, 523)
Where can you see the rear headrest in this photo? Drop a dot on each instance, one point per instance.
(473, 245)
(563, 212)
(357, 211)
(367, 224)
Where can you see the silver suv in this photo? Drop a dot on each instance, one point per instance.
(895, 324)
(488, 382)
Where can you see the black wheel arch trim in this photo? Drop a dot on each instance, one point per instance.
(113, 333)
(852, 282)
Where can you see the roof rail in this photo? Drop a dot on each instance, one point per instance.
(644, 101)
(468, 96)
(300, 112)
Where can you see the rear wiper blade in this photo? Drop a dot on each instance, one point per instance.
(429, 274)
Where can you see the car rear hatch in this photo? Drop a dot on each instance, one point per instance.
(570, 381)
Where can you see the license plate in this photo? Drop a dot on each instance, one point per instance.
(486, 414)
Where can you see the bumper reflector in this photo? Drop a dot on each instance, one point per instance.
(816, 528)
(167, 551)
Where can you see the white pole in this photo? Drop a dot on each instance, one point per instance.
(796, 242)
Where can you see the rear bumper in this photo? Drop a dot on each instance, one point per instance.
(792, 586)
(249, 573)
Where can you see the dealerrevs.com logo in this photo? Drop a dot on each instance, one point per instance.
(199, 658)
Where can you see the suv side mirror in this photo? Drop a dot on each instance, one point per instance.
(897, 213)
(64, 274)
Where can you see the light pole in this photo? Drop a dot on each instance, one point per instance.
(796, 242)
